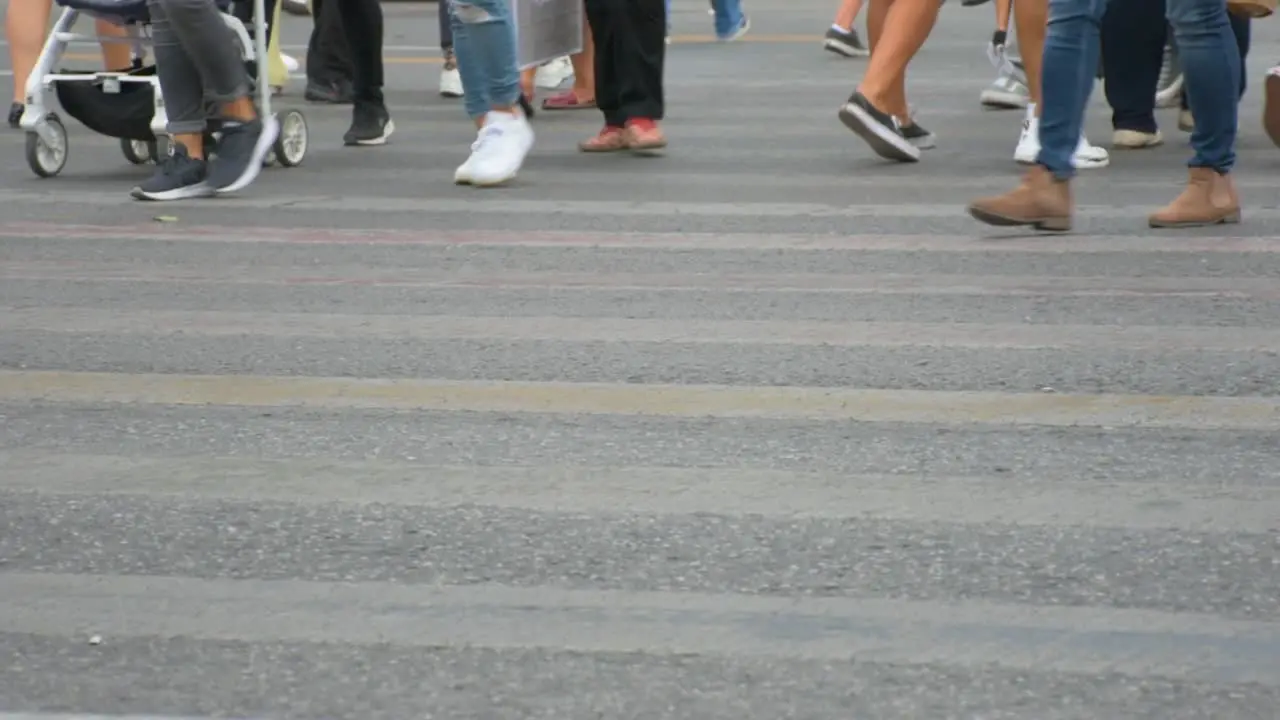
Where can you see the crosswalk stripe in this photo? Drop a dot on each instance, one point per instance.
(582, 208)
(991, 336)
(1065, 639)
(904, 497)
(814, 283)
(884, 406)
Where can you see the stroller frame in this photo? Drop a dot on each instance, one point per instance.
(47, 146)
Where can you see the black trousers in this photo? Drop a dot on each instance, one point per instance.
(630, 39)
(346, 43)
(328, 57)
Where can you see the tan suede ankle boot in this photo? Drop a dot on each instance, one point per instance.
(1041, 201)
(1208, 199)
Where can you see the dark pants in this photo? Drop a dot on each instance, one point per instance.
(346, 42)
(328, 57)
(362, 24)
(630, 40)
(446, 26)
(243, 11)
(1134, 33)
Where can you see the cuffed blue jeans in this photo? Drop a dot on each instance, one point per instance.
(1134, 35)
(484, 43)
(1210, 67)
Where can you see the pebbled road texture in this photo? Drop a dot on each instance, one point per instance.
(541, 531)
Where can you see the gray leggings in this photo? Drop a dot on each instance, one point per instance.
(198, 61)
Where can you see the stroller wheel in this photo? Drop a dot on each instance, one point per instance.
(140, 152)
(47, 151)
(291, 145)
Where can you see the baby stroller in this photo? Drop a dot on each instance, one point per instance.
(128, 104)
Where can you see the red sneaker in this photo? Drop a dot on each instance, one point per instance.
(644, 136)
(610, 139)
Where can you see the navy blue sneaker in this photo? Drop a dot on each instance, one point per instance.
(177, 177)
(240, 153)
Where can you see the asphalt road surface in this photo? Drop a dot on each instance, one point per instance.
(764, 429)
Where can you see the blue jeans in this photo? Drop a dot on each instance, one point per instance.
(484, 43)
(1242, 28)
(1134, 34)
(728, 16)
(1210, 66)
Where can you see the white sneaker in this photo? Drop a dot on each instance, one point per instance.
(464, 174)
(1086, 156)
(1136, 139)
(554, 73)
(500, 149)
(291, 63)
(450, 78)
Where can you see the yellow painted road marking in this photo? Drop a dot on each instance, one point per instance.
(858, 405)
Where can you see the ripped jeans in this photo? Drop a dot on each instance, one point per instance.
(484, 43)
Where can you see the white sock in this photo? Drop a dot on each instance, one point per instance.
(839, 29)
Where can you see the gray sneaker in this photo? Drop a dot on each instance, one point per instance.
(1007, 92)
(1169, 86)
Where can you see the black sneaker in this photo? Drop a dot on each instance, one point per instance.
(916, 134)
(15, 115)
(880, 130)
(177, 177)
(370, 124)
(238, 158)
(844, 43)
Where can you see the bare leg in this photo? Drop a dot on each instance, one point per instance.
(847, 15)
(877, 10)
(1030, 19)
(903, 26)
(27, 27)
(584, 68)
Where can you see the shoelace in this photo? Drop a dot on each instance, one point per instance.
(173, 162)
(485, 140)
